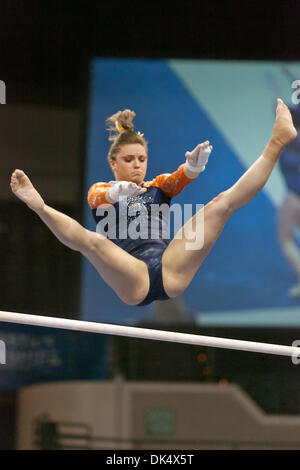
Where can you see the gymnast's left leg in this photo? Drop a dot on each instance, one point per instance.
(179, 263)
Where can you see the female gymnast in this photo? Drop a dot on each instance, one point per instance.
(141, 271)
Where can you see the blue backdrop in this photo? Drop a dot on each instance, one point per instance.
(179, 104)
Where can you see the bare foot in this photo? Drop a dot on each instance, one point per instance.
(22, 187)
(283, 131)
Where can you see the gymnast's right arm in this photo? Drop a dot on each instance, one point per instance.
(109, 193)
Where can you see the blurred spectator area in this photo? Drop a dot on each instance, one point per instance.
(43, 142)
(8, 416)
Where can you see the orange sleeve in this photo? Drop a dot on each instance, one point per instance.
(172, 183)
(96, 195)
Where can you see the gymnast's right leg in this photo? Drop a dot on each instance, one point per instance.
(125, 274)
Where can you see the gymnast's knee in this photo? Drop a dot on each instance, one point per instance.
(89, 242)
(132, 299)
(174, 286)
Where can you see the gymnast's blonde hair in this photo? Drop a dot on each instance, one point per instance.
(121, 132)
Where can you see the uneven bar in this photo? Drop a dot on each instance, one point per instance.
(144, 333)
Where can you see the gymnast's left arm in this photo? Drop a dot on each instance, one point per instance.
(197, 159)
(173, 183)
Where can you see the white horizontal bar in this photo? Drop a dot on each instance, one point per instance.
(107, 329)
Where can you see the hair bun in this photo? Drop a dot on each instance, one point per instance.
(120, 122)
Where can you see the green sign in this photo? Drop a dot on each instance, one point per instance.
(159, 421)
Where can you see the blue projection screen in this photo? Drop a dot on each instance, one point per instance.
(246, 279)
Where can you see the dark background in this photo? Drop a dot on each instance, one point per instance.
(45, 47)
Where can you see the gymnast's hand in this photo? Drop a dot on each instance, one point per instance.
(124, 189)
(197, 159)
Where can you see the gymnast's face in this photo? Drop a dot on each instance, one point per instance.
(130, 163)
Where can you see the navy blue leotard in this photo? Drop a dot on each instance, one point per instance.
(138, 226)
